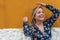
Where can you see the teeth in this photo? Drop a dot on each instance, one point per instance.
(41, 16)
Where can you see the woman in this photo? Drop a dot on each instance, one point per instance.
(40, 29)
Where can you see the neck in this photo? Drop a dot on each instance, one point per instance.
(39, 23)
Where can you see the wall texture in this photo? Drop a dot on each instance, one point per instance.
(13, 11)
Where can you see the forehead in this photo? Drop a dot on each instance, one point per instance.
(39, 9)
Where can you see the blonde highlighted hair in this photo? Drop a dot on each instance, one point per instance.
(34, 13)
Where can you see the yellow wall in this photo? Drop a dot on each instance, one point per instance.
(13, 11)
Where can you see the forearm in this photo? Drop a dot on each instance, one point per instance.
(27, 30)
(53, 9)
(55, 15)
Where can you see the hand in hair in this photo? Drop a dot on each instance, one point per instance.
(41, 4)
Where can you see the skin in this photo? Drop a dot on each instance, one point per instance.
(39, 17)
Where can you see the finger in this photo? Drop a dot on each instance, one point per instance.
(37, 3)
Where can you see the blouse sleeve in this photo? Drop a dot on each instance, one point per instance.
(54, 17)
(27, 30)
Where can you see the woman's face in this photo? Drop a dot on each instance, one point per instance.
(40, 15)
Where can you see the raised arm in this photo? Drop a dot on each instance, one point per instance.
(55, 15)
(55, 12)
(27, 30)
(53, 9)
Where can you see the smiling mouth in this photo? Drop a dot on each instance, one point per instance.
(41, 16)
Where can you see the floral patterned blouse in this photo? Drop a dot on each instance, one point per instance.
(35, 33)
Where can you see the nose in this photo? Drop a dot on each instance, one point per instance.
(41, 13)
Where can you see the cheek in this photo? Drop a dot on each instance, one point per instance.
(44, 15)
(36, 17)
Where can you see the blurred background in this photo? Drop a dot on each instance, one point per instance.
(13, 11)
